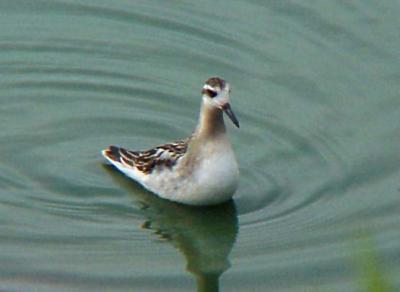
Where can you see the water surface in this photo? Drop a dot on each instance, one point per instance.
(315, 87)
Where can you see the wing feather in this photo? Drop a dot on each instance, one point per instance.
(146, 161)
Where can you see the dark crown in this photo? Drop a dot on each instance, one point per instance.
(216, 82)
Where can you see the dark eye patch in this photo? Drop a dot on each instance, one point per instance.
(210, 93)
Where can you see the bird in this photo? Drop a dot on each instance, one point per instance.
(200, 170)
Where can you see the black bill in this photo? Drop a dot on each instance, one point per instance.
(227, 109)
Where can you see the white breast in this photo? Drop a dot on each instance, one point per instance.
(212, 179)
(215, 177)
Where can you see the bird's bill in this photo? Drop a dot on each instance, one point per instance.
(229, 112)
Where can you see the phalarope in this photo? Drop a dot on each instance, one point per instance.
(199, 170)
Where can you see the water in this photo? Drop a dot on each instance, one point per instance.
(315, 87)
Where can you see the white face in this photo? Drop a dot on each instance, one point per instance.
(216, 94)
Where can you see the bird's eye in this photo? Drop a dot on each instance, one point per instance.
(211, 93)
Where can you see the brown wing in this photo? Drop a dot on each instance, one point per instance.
(146, 161)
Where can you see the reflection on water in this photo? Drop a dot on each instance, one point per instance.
(315, 83)
(204, 235)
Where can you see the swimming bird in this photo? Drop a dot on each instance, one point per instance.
(199, 170)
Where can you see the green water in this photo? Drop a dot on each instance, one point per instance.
(315, 85)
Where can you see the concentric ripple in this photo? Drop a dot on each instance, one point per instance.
(313, 88)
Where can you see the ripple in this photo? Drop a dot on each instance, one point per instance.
(317, 149)
(262, 187)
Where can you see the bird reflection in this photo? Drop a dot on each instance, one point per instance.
(204, 235)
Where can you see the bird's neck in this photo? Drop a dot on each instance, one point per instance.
(211, 122)
(209, 132)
